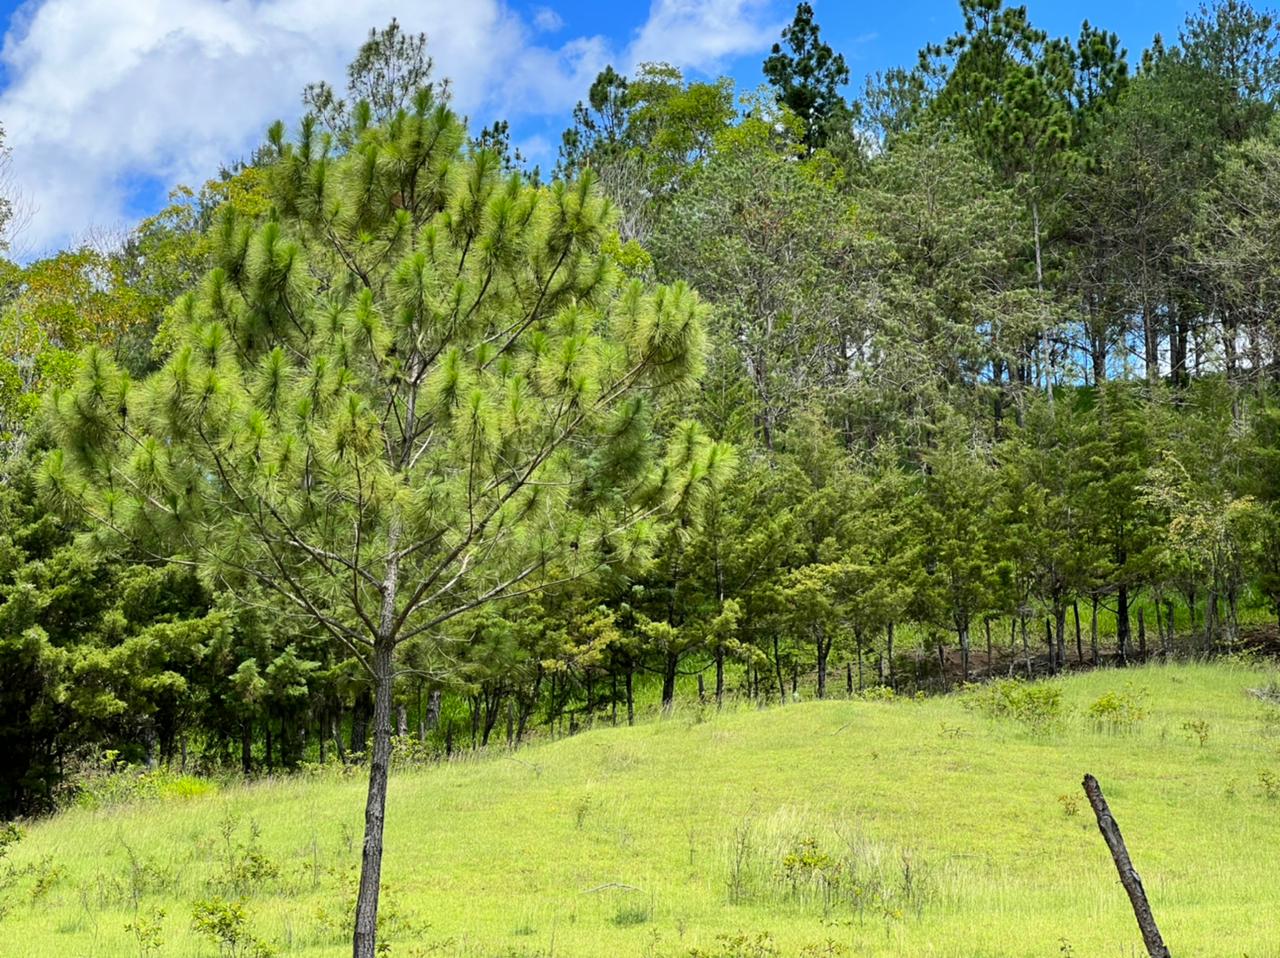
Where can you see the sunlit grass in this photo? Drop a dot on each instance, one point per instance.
(879, 828)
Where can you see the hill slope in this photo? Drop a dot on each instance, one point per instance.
(825, 828)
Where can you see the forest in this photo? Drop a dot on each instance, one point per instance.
(383, 445)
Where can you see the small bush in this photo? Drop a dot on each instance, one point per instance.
(129, 784)
(1036, 705)
(878, 693)
(146, 931)
(760, 945)
(226, 924)
(1198, 730)
(1269, 784)
(630, 914)
(1117, 712)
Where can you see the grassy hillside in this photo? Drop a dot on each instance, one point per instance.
(825, 828)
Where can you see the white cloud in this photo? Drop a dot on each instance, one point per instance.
(547, 20)
(699, 34)
(103, 95)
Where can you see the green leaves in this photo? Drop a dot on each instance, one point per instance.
(406, 373)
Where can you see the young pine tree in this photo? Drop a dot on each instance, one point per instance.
(415, 388)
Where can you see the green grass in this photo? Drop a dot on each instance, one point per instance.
(940, 832)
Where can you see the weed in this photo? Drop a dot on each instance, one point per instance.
(878, 693)
(829, 948)
(581, 809)
(226, 924)
(740, 854)
(760, 945)
(1070, 805)
(244, 866)
(1269, 783)
(630, 914)
(1198, 730)
(10, 835)
(1118, 712)
(142, 877)
(146, 932)
(1036, 705)
(44, 875)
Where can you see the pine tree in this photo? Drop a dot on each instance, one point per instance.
(808, 75)
(415, 388)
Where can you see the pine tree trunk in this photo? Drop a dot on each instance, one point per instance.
(893, 680)
(1075, 608)
(823, 648)
(631, 699)
(433, 708)
(1122, 624)
(1093, 630)
(669, 681)
(366, 927)
(1060, 627)
(777, 665)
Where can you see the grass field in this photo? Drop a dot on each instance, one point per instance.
(824, 828)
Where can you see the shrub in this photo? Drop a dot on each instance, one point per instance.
(761, 945)
(1037, 705)
(1118, 711)
(226, 924)
(1198, 730)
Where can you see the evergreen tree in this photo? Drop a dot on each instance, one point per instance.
(416, 388)
(807, 75)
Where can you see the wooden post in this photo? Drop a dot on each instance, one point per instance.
(1128, 874)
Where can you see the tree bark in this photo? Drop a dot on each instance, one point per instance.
(631, 698)
(893, 682)
(1075, 607)
(1093, 630)
(1124, 866)
(366, 928)
(824, 648)
(1122, 624)
(669, 681)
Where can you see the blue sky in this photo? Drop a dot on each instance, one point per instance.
(107, 104)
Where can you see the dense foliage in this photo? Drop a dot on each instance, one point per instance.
(376, 435)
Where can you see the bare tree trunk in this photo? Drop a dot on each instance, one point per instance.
(1075, 606)
(366, 928)
(1128, 874)
(1093, 630)
(433, 708)
(631, 698)
(823, 648)
(893, 682)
